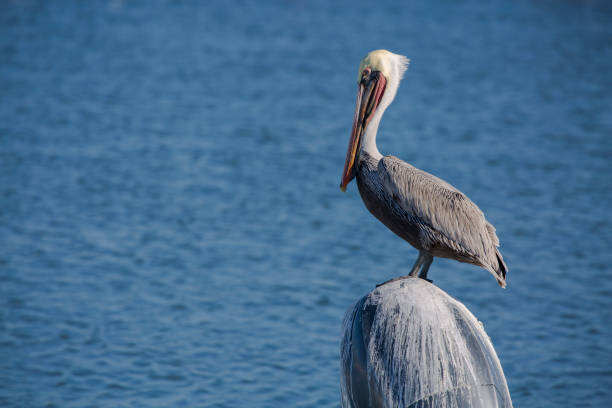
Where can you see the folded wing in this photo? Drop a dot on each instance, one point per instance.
(449, 219)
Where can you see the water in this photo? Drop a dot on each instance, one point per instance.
(171, 226)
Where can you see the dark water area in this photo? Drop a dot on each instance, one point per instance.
(171, 228)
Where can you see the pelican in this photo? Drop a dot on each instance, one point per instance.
(433, 216)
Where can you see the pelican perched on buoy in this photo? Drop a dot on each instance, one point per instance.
(433, 216)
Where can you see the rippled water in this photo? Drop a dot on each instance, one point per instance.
(171, 226)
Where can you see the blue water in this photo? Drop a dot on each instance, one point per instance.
(171, 228)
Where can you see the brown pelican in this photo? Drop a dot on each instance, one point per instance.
(433, 216)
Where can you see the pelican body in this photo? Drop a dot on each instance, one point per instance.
(433, 216)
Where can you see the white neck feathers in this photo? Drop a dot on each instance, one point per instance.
(392, 67)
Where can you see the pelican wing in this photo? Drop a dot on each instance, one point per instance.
(448, 218)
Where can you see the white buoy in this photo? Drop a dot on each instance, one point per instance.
(409, 344)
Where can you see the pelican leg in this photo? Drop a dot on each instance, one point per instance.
(427, 260)
(415, 269)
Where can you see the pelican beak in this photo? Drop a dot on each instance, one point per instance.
(369, 93)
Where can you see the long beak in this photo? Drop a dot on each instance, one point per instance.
(369, 94)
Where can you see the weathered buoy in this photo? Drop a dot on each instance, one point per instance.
(409, 344)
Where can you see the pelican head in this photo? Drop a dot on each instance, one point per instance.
(378, 78)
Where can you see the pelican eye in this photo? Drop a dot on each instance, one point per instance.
(366, 73)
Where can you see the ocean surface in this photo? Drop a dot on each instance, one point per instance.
(171, 228)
